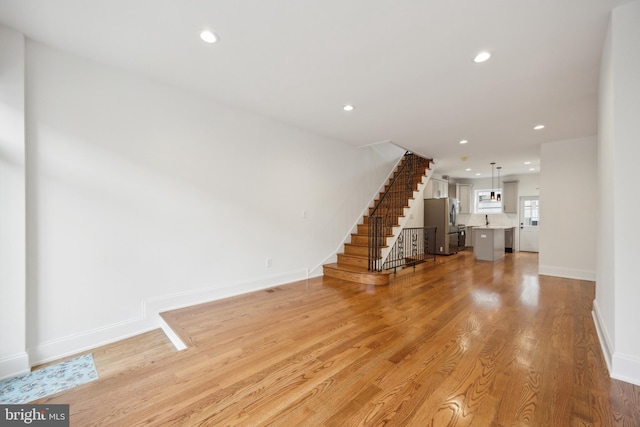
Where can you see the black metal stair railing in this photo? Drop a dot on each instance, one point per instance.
(412, 247)
(385, 215)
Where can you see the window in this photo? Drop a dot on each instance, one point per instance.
(483, 203)
(531, 213)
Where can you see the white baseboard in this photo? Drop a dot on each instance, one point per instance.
(569, 273)
(173, 337)
(17, 364)
(621, 366)
(316, 273)
(77, 343)
(149, 319)
(603, 336)
(626, 368)
(199, 296)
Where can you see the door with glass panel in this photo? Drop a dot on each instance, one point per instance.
(529, 223)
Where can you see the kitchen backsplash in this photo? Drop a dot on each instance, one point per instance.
(478, 220)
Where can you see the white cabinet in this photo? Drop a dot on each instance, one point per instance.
(428, 192)
(510, 197)
(436, 189)
(463, 193)
(443, 188)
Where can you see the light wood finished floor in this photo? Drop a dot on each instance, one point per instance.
(455, 343)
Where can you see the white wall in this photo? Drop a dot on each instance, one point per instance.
(568, 208)
(617, 291)
(604, 304)
(143, 197)
(416, 206)
(13, 357)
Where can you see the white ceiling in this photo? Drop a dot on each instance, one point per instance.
(405, 64)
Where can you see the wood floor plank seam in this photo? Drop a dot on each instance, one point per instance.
(452, 342)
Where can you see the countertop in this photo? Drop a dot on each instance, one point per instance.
(491, 227)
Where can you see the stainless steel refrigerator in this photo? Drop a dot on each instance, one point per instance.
(443, 214)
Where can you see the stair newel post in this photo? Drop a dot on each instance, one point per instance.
(374, 226)
(369, 241)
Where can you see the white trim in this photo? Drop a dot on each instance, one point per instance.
(77, 343)
(149, 319)
(173, 337)
(569, 273)
(603, 337)
(186, 299)
(621, 366)
(17, 364)
(626, 368)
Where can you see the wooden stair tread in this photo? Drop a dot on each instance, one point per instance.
(356, 274)
(364, 245)
(356, 269)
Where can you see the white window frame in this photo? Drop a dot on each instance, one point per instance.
(487, 206)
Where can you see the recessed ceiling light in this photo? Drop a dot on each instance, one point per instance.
(532, 169)
(481, 57)
(538, 127)
(477, 173)
(348, 108)
(527, 163)
(208, 36)
(464, 141)
(468, 169)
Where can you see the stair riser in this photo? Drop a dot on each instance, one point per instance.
(360, 239)
(350, 260)
(363, 239)
(357, 250)
(394, 222)
(364, 278)
(385, 212)
(400, 192)
(364, 229)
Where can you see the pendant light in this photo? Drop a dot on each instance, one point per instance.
(499, 196)
(493, 193)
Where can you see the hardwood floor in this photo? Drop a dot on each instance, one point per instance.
(454, 343)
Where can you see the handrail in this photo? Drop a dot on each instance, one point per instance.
(384, 216)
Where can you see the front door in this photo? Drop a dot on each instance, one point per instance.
(529, 223)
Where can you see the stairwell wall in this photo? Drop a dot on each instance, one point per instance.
(143, 197)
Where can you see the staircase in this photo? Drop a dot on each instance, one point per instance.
(362, 255)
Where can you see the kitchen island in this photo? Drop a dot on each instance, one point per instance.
(488, 243)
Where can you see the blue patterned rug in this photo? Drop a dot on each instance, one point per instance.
(52, 379)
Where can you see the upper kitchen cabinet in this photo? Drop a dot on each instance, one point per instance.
(463, 193)
(510, 197)
(436, 189)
